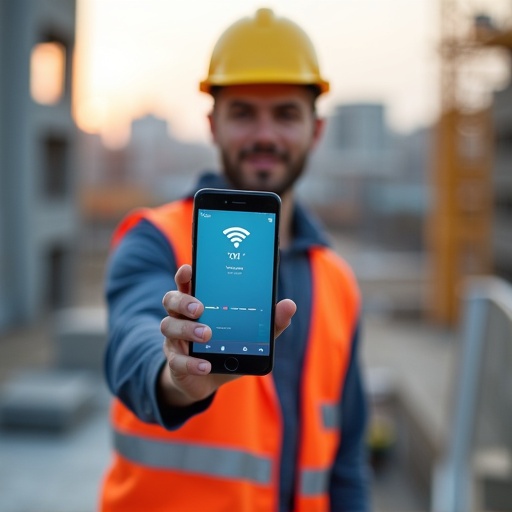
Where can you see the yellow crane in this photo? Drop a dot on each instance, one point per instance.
(459, 225)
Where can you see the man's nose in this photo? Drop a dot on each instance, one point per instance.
(265, 130)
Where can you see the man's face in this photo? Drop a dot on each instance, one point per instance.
(264, 133)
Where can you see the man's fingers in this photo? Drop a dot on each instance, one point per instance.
(188, 379)
(183, 278)
(179, 303)
(176, 329)
(182, 366)
(285, 309)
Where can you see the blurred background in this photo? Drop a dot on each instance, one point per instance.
(100, 113)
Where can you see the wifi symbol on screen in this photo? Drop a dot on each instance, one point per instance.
(236, 235)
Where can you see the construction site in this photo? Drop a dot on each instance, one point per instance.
(437, 331)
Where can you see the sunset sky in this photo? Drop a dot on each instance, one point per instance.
(147, 56)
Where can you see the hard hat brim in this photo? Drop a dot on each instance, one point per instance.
(208, 84)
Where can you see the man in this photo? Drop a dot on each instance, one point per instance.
(189, 440)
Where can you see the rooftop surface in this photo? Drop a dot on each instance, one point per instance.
(61, 472)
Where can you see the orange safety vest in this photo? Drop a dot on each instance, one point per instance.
(228, 457)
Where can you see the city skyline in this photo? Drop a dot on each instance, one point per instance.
(147, 57)
(123, 73)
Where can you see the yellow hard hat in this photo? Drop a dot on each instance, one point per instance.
(264, 49)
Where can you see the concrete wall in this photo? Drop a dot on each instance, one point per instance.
(37, 227)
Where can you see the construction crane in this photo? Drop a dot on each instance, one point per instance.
(459, 225)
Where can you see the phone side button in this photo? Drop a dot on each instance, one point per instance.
(231, 364)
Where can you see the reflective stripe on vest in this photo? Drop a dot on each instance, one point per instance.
(331, 416)
(314, 482)
(191, 458)
(227, 457)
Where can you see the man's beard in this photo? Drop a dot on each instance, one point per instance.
(235, 176)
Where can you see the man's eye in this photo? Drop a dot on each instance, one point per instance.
(288, 114)
(239, 114)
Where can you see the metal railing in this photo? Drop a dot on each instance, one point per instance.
(479, 444)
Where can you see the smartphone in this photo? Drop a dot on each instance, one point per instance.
(235, 262)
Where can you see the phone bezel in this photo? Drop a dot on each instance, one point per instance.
(244, 201)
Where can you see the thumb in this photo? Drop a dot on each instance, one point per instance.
(285, 310)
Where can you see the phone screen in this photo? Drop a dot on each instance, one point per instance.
(234, 279)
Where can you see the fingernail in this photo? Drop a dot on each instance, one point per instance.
(192, 307)
(199, 332)
(202, 367)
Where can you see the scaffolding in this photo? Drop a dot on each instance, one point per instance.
(460, 221)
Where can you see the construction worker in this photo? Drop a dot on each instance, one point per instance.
(189, 440)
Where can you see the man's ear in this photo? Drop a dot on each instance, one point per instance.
(211, 122)
(318, 131)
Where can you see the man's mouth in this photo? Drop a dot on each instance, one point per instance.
(263, 159)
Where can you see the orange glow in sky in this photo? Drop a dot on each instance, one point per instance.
(148, 56)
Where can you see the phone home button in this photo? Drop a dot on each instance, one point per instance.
(231, 364)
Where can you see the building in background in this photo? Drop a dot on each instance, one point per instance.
(165, 164)
(367, 179)
(363, 176)
(38, 216)
(153, 168)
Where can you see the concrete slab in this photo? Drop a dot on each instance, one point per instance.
(418, 359)
(43, 472)
(46, 399)
(80, 338)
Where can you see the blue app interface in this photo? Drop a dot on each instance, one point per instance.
(234, 276)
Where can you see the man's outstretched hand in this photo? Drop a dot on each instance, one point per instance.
(185, 379)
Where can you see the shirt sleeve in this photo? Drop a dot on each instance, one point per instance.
(140, 272)
(350, 479)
